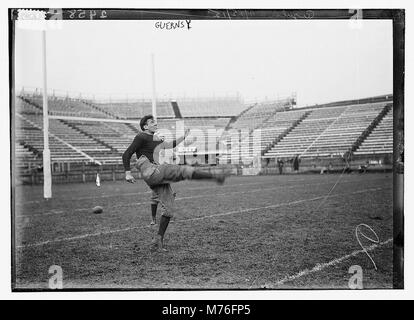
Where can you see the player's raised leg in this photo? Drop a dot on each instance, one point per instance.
(204, 175)
(165, 173)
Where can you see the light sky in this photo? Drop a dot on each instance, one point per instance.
(322, 60)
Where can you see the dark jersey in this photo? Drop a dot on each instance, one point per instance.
(144, 144)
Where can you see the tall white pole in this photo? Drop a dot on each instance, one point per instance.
(154, 94)
(47, 175)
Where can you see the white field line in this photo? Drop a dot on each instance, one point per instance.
(55, 211)
(322, 266)
(278, 205)
(60, 211)
(146, 192)
(97, 234)
(112, 195)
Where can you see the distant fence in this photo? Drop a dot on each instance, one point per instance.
(116, 172)
(87, 174)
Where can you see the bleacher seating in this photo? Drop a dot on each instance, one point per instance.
(268, 129)
(210, 107)
(218, 123)
(30, 135)
(25, 159)
(256, 115)
(136, 110)
(124, 129)
(327, 131)
(72, 136)
(117, 136)
(207, 128)
(381, 138)
(254, 143)
(65, 106)
(24, 107)
(205, 132)
(103, 132)
(241, 143)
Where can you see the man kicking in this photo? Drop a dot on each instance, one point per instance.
(158, 177)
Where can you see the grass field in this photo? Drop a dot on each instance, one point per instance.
(256, 232)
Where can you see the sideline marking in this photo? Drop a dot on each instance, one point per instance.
(136, 193)
(53, 212)
(322, 266)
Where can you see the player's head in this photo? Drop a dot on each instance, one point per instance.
(148, 123)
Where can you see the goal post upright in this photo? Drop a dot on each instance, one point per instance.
(47, 174)
(154, 94)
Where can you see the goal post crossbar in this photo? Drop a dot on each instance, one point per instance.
(59, 117)
(47, 183)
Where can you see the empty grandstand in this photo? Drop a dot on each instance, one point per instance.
(30, 136)
(64, 106)
(380, 141)
(255, 115)
(24, 158)
(327, 131)
(243, 143)
(234, 136)
(114, 139)
(135, 110)
(210, 107)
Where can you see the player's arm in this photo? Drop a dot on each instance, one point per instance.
(126, 158)
(174, 143)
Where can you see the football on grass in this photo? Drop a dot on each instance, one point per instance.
(97, 209)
